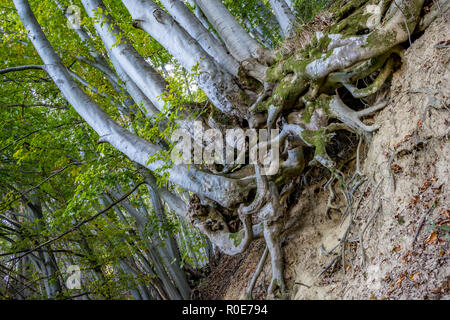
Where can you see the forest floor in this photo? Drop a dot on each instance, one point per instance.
(409, 160)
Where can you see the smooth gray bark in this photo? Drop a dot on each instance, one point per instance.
(199, 32)
(144, 76)
(284, 16)
(223, 190)
(291, 4)
(219, 85)
(237, 40)
(174, 258)
(167, 251)
(151, 250)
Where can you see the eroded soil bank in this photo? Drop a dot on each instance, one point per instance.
(403, 208)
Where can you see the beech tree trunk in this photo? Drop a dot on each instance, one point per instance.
(293, 90)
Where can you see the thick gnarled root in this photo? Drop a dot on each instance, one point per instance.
(259, 268)
(330, 205)
(211, 223)
(266, 205)
(352, 118)
(305, 81)
(277, 287)
(375, 86)
(269, 210)
(271, 214)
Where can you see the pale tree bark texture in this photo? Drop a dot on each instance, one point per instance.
(294, 91)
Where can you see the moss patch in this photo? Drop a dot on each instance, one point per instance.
(237, 237)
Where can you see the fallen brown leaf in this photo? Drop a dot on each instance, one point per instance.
(432, 238)
(405, 258)
(400, 279)
(425, 185)
(396, 168)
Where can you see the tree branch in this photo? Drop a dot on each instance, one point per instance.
(22, 68)
(78, 225)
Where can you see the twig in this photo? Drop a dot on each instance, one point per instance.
(419, 227)
(35, 131)
(22, 194)
(302, 284)
(21, 68)
(330, 205)
(361, 235)
(80, 224)
(327, 266)
(357, 171)
(325, 252)
(389, 168)
(258, 270)
(351, 201)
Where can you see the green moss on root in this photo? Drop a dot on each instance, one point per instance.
(321, 103)
(316, 138)
(237, 237)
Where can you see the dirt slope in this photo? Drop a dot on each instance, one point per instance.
(407, 169)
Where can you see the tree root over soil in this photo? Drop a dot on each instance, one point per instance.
(301, 98)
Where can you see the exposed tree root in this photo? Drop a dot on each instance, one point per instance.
(373, 214)
(259, 268)
(300, 97)
(376, 85)
(353, 118)
(330, 205)
(328, 266)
